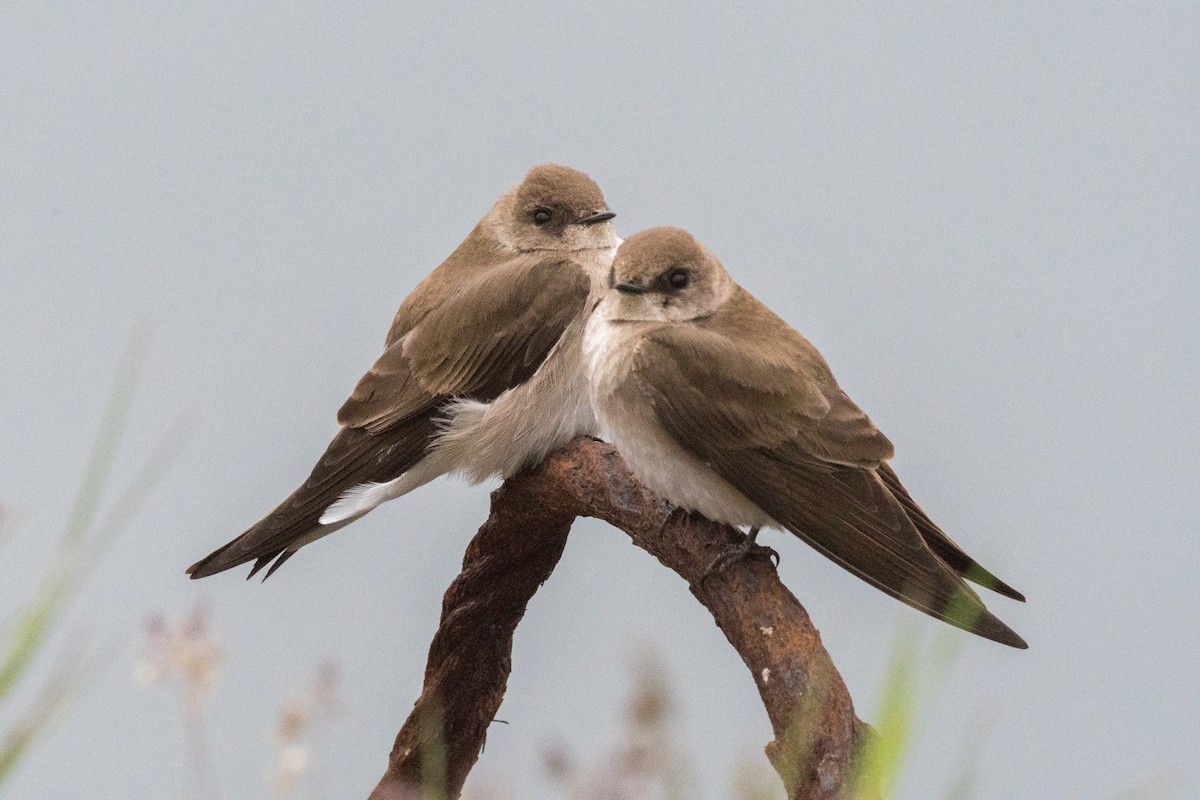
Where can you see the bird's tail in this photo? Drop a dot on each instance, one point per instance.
(354, 457)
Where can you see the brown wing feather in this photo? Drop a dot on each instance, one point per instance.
(941, 544)
(757, 403)
(516, 314)
(353, 457)
(387, 395)
(848, 514)
(489, 337)
(748, 379)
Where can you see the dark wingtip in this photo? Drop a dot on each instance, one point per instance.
(259, 563)
(221, 560)
(201, 569)
(981, 577)
(283, 556)
(989, 626)
(1012, 640)
(211, 564)
(1007, 591)
(942, 545)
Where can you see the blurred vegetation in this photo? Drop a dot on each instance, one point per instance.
(646, 759)
(187, 655)
(916, 669)
(37, 685)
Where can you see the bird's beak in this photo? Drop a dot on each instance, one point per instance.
(630, 288)
(597, 218)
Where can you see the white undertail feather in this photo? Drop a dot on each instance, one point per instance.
(358, 500)
(320, 531)
(355, 502)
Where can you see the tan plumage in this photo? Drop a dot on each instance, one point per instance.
(726, 410)
(490, 334)
(481, 373)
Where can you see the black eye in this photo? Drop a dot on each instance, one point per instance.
(678, 278)
(542, 215)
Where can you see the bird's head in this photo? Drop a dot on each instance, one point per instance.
(554, 208)
(664, 274)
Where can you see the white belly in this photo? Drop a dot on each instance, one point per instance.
(525, 424)
(521, 426)
(655, 458)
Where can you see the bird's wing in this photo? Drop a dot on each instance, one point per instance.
(353, 457)
(942, 545)
(489, 336)
(752, 399)
(746, 379)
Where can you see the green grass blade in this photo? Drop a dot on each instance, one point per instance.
(82, 542)
(112, 426)
(47, 708)
(30, 627)
(915, 671)
(887, 749)
(135, 494)
(30, 630)
(67, 576)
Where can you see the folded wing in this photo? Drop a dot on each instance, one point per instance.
(755, 401)
(488, 335)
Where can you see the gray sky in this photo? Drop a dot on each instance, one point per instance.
(988, 221)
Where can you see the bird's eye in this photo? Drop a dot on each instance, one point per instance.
(678, 278)
(542, 215)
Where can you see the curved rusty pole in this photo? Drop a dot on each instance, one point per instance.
(816, 731)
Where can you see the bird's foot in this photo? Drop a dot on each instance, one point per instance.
(746, 548)
(677, 515)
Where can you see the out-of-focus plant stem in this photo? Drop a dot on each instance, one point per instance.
(26, 632)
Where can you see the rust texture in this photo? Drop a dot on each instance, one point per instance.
(816, 730)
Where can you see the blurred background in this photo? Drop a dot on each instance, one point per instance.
(988, 220)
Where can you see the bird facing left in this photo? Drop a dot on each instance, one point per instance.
(481, 373)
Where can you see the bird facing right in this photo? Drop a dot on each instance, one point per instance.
(723, 409)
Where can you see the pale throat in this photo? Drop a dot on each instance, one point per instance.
(617, 307)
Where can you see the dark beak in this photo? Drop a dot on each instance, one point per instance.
(630, 288)
(597, 218)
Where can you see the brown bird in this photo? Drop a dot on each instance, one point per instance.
(481, 374)
(723, 409)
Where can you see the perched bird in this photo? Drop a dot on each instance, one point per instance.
(722, 408)
(481, 374)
